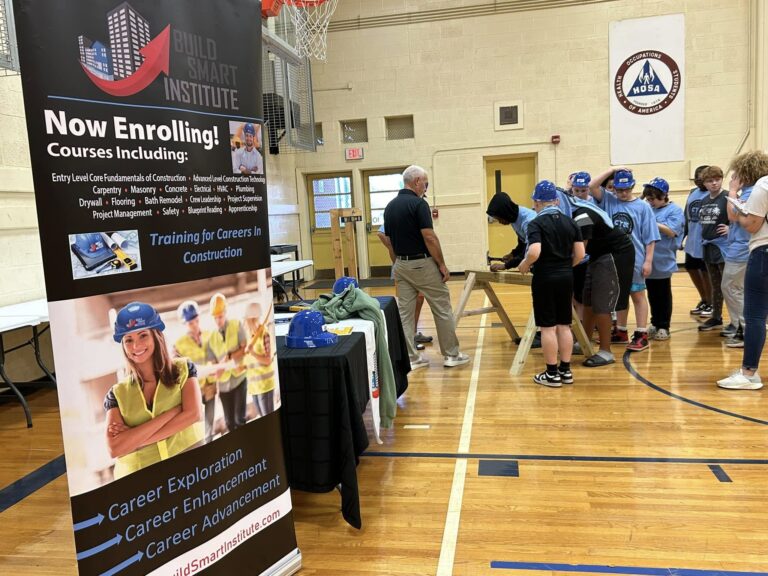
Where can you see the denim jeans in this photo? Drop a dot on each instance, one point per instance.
(755, 306)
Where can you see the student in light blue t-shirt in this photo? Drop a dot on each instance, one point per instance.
(694, 248)
(670, 221)
(635, 217)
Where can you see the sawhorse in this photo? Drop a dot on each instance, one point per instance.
(483, 279)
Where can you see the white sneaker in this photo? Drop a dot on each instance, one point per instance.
(458, 360)
(652, 331)
(420, 363)
(740, 381)
(661, 334)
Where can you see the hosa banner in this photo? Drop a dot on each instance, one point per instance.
(145, 134)
(647, 72)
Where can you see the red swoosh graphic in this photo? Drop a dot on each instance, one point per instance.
(156, 60)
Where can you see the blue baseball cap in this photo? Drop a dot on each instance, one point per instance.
(545, 191)
(623, 179)
(249, 129)
(581, 180)
(660, 184)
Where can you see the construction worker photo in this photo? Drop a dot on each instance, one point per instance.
(155, 411)
(260, 359)
(194, 344)
(227, 343)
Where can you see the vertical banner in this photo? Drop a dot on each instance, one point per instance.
(647, 72)
(145, 133)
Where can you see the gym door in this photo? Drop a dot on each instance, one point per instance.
(380, 187)
(326, 192)
(518, 177)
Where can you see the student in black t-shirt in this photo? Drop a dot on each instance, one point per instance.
(713, 217)
(554, 248)
(609, 274)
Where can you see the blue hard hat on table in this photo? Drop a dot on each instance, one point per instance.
(659, 184)
(545, 191)
(343, 283)
(307, 330)
(135, 317)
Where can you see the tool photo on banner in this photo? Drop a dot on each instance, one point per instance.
(111, 265)
(116, 242)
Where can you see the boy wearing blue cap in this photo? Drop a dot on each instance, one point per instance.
(635, 217)
(670, 221)
(554, 248)
(247, 159)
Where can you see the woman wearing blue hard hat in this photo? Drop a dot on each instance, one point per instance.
(155, 412)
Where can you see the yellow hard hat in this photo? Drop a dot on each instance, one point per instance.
(218, 304)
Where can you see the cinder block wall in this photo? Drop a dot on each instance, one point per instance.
(448, 74)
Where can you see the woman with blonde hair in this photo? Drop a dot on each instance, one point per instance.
(750, 213)
(155, 413)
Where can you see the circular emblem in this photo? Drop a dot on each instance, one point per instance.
(693, 210)
(623, 221)
(647, 82)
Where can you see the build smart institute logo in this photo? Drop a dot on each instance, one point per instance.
(647, 82)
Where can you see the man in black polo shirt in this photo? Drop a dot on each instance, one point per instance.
(420, 267)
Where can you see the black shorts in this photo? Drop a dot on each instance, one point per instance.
(579, 276)
(692, 263)
(608, 282)
(552, 296)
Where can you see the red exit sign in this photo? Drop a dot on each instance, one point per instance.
(354, 154)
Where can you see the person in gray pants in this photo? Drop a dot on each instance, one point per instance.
(420, 267)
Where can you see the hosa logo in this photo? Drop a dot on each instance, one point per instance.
(130, 60)
(647, 82)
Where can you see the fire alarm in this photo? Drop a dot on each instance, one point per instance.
(555, 139)
(435, 213)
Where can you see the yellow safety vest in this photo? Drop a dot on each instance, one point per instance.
(188, 347)
(133, 409)
(261, 378)
(223, 346)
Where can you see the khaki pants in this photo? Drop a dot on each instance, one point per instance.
(732, 286)
(414, 276)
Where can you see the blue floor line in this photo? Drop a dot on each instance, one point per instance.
(599, 569)
(558, 458)
(16, 492)
(637, 376)
(719, 473)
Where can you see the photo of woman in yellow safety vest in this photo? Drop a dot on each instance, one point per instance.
(227, 344)
(260, 360)
(153, 414)
(195, 346)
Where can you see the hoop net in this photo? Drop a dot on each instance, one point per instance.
(310, 20)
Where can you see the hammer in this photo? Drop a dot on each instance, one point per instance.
(490, 258)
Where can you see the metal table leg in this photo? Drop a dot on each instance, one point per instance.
(12, 386)
(38, 357)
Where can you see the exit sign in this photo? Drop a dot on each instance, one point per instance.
(354, 154)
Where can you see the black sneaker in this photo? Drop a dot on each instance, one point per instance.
(706, 311)
(566, 376)
(696, 311)
(711, 324)
(536, 342)
(547, 379)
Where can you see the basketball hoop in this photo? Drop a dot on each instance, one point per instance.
(310, 21)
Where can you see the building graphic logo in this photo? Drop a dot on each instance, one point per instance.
(647, 82)
(132, 60)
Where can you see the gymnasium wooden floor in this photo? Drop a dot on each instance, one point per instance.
(644, 464)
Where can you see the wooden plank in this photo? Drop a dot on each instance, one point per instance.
(525, 346)
(506, 277)
(581, 335)
(469, 285)
(508, 326)
(338, 254)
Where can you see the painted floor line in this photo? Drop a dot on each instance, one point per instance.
(600, 569)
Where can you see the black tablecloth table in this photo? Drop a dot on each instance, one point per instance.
(324, 393)
(398, 349)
